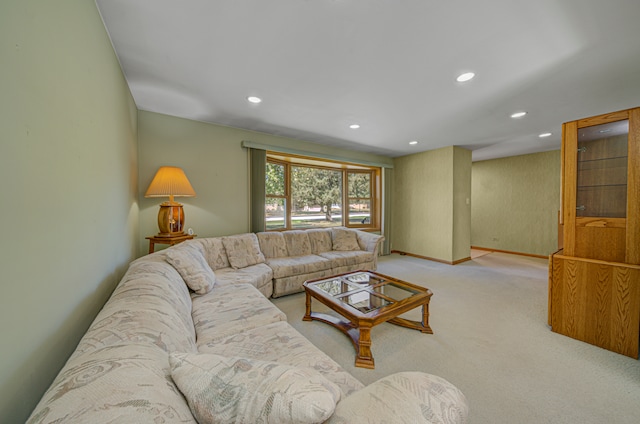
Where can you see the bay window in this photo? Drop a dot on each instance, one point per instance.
(311, 193)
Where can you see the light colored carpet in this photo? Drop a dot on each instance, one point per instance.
(491, 339)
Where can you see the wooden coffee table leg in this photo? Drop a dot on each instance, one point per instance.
(422, 326)
(307, 314)
(425, 319)
(364, 358)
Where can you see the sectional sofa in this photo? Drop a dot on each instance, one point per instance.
(189, 335)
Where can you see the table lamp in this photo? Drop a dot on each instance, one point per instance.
(172, 182)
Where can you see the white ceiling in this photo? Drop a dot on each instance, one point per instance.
(388, 65)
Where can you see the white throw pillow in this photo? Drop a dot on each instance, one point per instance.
(192, 267)
(221, 389)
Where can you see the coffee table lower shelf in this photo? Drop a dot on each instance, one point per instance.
(361, 337)
(359, 331)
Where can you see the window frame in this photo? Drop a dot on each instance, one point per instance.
(346, 197)
(346, 168)
(286, 196)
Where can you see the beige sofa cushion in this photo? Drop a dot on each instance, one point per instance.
(128, 383)
(348, 258)
(230, 309)
(369, 241)
(320, 240)
(243, 250)
(272, 244)
(293, 284)
(344, 240)
(280, 342)
(151, 304)
(233, 390)
(298, 265)
(405, 396)
(297, 243)
(259, 276)
(188, 260)
(214, 251)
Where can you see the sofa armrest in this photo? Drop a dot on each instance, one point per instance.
(405, 397)
(369, 241)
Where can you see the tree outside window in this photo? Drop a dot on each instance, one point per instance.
(308, 196)
(276, 196)
(316, 196)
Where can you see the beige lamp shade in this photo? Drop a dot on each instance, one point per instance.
(170, 181)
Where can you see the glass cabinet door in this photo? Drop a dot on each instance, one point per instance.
(602, 170)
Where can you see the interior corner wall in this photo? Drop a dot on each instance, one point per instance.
(427, 189)
(461, 248)
(68, 166)
(515, 203)
(217, 167)
(214, 163)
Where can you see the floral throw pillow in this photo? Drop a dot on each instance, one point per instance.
(192, 267)
(222, 389)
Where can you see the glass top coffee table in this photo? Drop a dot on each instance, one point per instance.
(365, 299)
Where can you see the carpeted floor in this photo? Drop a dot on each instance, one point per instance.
(491, 339)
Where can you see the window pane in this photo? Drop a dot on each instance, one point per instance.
(359, 211)
(359, 184)
(316, 196)
(274, 184)
(602, 170)
(275, 213)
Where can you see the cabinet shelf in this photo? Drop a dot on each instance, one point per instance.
(601, 159)
(601, 176)
(600, 185)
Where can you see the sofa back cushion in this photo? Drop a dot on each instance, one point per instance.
(214, 252)
(151, 305)
(298, 243)
(320, 239)
(272, 244)
(127, 383)
(344, 239)
(243, 250)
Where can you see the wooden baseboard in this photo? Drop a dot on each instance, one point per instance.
(431, 259)
(488, 249)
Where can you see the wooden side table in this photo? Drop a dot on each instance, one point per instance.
(153, 240)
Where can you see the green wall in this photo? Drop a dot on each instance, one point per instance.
(75, 214)
(217, 167)
(461, 248)
(430, 214)
(515, 203)
(68, 157)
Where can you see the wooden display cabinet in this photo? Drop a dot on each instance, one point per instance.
(594, 280)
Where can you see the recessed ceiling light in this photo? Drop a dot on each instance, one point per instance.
(413, 142)
(354, 126)
(254, 99)
(518, 114)
(543, 135)
(465, 77)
